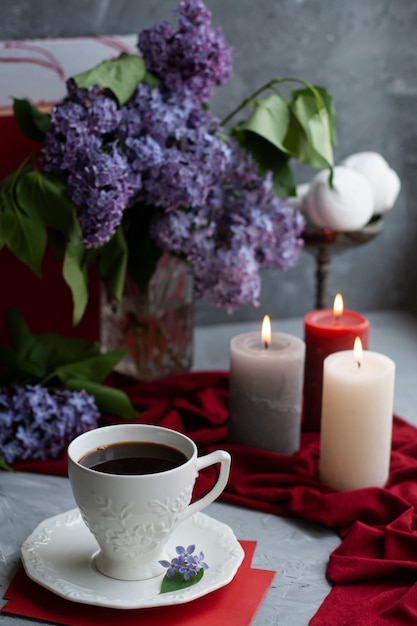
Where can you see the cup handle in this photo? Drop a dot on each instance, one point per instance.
(219, 456)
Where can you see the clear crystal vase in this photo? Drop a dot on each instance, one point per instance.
(156, 327)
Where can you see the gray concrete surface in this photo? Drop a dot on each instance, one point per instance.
(297, 550)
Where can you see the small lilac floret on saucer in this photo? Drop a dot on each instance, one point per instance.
(187, 563)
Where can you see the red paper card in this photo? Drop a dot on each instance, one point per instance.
(235, 604)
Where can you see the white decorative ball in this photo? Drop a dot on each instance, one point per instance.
(383, 179)
(347, 206)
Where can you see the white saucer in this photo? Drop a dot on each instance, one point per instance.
(57, 555)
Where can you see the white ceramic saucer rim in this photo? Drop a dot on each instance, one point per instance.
(57, 555)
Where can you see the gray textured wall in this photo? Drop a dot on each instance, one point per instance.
(363, 51)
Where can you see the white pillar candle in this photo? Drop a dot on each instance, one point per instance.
(356, 426)
(266, 391)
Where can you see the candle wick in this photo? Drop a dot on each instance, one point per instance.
(358, 363)
(266, 344)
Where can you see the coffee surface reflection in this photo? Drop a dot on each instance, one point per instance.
(133, 458)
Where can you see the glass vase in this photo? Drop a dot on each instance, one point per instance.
(156, 327)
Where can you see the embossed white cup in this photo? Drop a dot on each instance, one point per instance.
(133, 516)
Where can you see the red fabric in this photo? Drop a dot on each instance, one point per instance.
(374, 570)
(245, 593)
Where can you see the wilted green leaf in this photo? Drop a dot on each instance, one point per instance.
(31, 122)
(302, 126)
(269, 158)
(121, 76)
(270, 120)
(331, 112)
(311, 114)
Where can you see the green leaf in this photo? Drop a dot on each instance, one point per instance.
(4, 465)
(50, 351)
(22, 226)
(270, 120)
(121, 76)
(297, 140)
(18, 331)
(75, 275)
(112, 262)
(48, 194)
(302, 128)
(169, 585)
(16, 368)
(331, 112)
(150, 79)
(311, 114)
(31, 122)
(269, 158)
(51, 358)
(283, 184)
(108, 400)
(95, 368)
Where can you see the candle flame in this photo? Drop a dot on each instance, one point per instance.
(357, 351)
(266, 331)
(338, 306)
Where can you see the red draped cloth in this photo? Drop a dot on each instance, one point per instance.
(374, 570)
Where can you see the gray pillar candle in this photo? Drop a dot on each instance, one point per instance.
(266, 381)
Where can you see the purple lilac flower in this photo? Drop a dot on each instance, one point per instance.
(174, 146)
(39, 424)
(195, 56)
(82, 145)
(77, 127)
(187, 563)
(242, 229)
(100, 190)
(160, 149)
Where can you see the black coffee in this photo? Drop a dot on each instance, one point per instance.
(133, 458)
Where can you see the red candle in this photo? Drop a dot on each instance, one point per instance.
(326, 331)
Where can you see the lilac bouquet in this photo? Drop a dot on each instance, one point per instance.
(134, 164)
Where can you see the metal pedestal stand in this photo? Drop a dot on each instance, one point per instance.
(324, 243)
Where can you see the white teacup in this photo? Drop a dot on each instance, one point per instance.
(132, 516)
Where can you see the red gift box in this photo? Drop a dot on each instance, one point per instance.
(45, 303)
